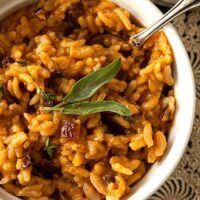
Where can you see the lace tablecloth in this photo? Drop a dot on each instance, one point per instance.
(184, 184)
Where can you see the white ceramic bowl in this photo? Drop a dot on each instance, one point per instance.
(180, 132)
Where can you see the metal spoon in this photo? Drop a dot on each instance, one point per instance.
(181, 7)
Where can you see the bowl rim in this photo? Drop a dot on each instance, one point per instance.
(139, 193)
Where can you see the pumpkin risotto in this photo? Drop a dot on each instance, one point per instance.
(44, 50)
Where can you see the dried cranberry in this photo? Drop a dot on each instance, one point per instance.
(26, 160)
(70, 130)
(5, 61)
(48, 168)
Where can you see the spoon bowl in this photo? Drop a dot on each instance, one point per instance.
(179, 8)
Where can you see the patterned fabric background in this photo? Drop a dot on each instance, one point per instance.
(184, 184)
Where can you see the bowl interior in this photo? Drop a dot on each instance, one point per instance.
(184, 92)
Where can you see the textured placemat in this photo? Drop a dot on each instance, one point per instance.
(184, 184)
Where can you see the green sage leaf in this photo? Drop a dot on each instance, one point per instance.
(87, 108)
(88, 85)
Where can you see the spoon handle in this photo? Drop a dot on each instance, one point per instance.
(181, 7)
